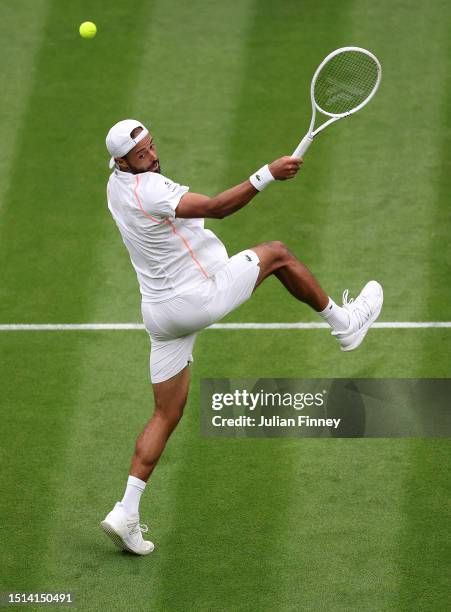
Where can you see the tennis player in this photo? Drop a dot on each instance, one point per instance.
(188, 281)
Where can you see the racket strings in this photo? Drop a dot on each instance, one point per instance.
(346, 81)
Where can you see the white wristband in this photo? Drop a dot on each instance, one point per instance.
(261, 178)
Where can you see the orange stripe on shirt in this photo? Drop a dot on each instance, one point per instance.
(186, 243)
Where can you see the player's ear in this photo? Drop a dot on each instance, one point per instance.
(122, 163)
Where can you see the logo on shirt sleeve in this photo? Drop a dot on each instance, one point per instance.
(171, 186)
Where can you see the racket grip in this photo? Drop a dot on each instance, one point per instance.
(303, 146)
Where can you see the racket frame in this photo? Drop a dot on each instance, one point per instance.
(308, 138)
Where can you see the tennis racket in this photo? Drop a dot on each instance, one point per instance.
(343, 83)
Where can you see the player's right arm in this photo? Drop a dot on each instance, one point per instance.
(195, 205)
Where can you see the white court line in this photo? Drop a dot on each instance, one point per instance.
(140, 326)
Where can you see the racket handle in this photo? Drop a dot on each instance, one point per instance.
(303, 146)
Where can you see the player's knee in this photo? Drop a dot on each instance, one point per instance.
(280, 250)
(171, 414)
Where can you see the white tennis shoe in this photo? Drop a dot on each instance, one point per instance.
(363, 311)
(126, 532)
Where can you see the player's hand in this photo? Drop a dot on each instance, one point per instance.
(285, 168)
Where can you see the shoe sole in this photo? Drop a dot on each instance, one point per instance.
(360, 335)
(116, 538)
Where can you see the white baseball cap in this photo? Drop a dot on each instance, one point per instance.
(118, 140)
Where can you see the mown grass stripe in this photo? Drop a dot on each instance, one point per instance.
(17, 76)
(423, 539)
(395, 213)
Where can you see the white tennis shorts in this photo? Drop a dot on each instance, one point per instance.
(173, 324)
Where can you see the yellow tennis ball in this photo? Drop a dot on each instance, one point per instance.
(88, 29)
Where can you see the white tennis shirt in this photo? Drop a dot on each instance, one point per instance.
(170, 255)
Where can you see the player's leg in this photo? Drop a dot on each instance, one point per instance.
(122, 523)
(170, 399)
(235, 282)
(170, 379)
(349, 323)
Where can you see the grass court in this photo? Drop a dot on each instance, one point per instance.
(239, 525)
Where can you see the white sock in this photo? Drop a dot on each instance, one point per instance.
(132, 495)
(336, 316)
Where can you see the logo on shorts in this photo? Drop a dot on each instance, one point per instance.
(257, 176)
(248, 257)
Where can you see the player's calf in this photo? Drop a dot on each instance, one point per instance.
(170, 399)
